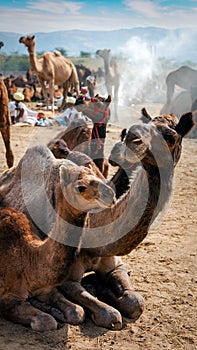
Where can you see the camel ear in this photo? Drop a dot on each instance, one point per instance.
(145, 114)
(65, 174)
(123, 134)
(185, 124)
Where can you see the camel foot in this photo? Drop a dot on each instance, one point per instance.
(107, 317)
(131, 305)
(74, 315)
(43, 323)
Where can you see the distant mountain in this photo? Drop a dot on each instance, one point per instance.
(178, 44)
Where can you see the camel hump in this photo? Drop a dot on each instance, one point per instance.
(57, 53)
(13, 226)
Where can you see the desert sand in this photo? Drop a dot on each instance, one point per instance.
(163, 268)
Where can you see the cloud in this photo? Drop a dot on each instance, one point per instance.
(143, 8)
(60, 7)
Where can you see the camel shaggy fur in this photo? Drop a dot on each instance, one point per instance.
(5, 122)
(36, 267)
(51, 68)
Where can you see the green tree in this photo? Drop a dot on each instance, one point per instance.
(85, 54)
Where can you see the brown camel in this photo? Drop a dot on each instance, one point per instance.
(60, 149)
(51, 68)
(120, 229)
(184, 77)
(128, 221)
(34, 267)
(5, 123)
(112, 76)
(98, 110)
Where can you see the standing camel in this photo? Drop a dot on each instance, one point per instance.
(51, 68)
(184, 77)
(112, 76)
(5, 122)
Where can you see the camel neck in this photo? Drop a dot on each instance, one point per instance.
(127, 223)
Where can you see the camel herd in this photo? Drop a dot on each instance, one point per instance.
(61, 217)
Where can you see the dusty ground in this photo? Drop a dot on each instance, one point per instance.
(163, 269)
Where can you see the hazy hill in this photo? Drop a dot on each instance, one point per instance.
(179, 44)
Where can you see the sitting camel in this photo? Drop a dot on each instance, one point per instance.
(35, 267)
(158, 146)
(5, 123)
(119, 230)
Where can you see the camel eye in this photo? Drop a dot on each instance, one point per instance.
(137, 140)
(81, 189)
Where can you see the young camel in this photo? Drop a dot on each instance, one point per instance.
(5, 123)
(51, 68)
(34, 267)
(118, 231)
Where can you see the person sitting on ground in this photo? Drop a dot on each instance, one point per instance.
(19, 112)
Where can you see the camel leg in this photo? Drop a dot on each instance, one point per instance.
(74, 314)
(22, 312)
(65, 93)
(116, 103)
(101, 314)
(51, 91)
(115, 288)
(6, 139)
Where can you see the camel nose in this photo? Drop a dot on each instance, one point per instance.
(107, 194)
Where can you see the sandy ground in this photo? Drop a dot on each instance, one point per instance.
(163, 269)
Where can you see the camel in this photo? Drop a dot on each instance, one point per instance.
(83, 72)
(127, 223)
(35, 267)
(5, 123)
(98, 110)
(60, 150)
(51, 68)
(122, 228)
(112, 76)
(77, 135)
(184, 77)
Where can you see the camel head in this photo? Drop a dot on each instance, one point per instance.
(105, 53)
(156, 143)
(28, 41)
(1, 44)
(83, 190)
(59, 148)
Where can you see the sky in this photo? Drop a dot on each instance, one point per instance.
(31, 16)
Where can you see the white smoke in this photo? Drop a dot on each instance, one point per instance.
(138, 65)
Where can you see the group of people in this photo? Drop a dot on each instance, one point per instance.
(20, 113)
